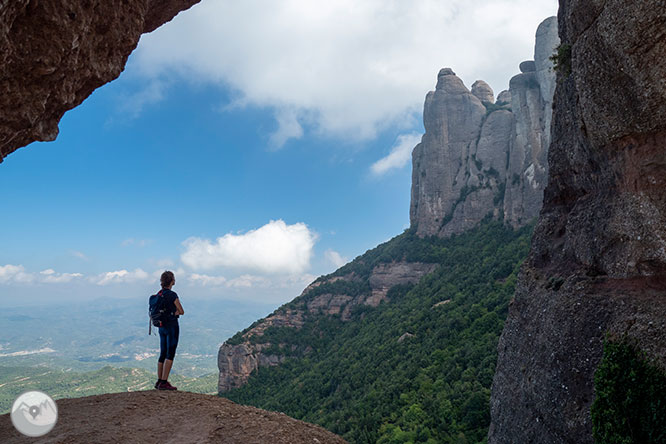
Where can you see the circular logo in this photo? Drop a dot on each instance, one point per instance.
(34, 413)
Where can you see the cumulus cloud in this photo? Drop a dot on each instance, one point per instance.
(345, 68)
(335, 258)
(50, 276)
(121, 277)
(274, 248)
(17, 274)
(399, 156)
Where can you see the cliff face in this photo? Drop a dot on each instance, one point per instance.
(328, 296)
(480, 158)
(54, 54)
(597, 266)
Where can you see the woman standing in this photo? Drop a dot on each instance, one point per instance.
(168, 332)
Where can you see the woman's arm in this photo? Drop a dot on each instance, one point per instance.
(179, 308)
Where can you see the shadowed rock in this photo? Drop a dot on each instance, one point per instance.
(527, 66)
(598, 261)
(54, 54)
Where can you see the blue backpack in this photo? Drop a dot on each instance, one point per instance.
(157, 311)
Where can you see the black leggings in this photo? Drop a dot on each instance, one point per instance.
(168, 342)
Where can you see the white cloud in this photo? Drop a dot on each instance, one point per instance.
(206, 280)
(400, 154)
(335, 258)
(344, 68)
(51, 277)
(121, 277)
(247, 281)
(15, 274)
(274, 248)
(288, 128)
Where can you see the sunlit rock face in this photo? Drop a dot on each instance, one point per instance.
(54, 54)
(597, 267)
(485, 158)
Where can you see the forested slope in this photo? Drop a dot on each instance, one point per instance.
(416, 368)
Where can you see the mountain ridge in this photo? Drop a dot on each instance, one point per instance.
(418, 366)
(479, 157)
(436, 195)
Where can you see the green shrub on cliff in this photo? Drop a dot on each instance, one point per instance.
(630, 403)
(360, 381)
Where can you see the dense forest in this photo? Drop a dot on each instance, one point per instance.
(417, 368)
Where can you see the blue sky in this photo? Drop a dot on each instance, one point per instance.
(243, 159)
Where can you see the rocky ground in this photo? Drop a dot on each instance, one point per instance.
(168, 417)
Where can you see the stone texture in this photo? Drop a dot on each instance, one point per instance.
(598, 261)
(480, 160)
(527, 170)
(237, 362)
(483, 91)
(386, 276)
(546, 40)
(527, 66)
(504, 97)
(54, 54)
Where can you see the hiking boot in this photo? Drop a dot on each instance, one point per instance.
(157, 384)
(166, 386)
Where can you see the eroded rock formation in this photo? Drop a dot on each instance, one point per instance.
(479, 158)
(236, 362)
(598, 260)
(54, 54)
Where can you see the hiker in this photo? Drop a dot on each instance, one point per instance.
(169, 331)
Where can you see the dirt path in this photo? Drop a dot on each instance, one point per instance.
(168, 417)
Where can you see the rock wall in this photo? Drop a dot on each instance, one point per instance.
(479, 158)
(597, 267)
(54, 54)
(236, 362)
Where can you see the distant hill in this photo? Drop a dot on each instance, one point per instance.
(69, 384)
(414, 367)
